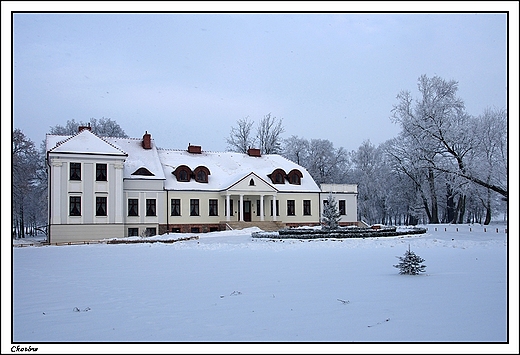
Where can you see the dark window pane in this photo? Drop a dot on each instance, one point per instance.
(133, 207)
(194, 207)
(101, 172)
(290, 208)
(150, 207)
(213, 207)
(101, 206)
(306, 207)
(342, 209)
(75, 206)
(176, 207)
(75, 171)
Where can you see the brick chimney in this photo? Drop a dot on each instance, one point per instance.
(147, 140)
(195, 149)
(81, 128)
(254, 152)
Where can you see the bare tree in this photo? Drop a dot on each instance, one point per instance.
(240, 138)
(269, 134)
(24, 174)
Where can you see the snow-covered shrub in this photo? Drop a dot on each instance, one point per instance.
(410, 263)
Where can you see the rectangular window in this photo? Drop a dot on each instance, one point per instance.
(277, 208)
(133, 232)
(75, 206)
(258, 207)
(194, 207)
(342, 209)
(176, 207)
(101, 206)
(306, 207)
(213, 207)
(101, 172)
(290, 208)
(195, 230)
(133, 207)
(150, 207)
(230, 207)
(150, 231)
(75, 171)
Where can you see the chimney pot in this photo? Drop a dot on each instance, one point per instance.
(81, 128)
(147, 140)
(254, 152)
(195, 149)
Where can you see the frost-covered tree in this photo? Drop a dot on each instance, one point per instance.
(296, 149)
(410, 263)
(241, 137)
(104, 127)
(331, 216)
(439, 126)
(269, 134)
(325, 163)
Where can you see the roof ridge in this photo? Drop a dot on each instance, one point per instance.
(86, 130)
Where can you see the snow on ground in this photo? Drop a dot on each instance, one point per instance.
(227, 287)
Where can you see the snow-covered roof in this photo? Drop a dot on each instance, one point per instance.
(82, 142)
(227, 168)
(138, 157)
(86, 142)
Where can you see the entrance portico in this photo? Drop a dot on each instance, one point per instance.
(254, 187)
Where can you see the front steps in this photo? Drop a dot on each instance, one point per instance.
(268, 226)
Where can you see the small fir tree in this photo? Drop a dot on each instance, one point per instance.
(331, 215)
(410, 263)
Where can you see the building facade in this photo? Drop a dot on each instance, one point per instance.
(108, 187)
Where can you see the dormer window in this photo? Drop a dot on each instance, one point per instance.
(182, 173)
(143, 171)
(201, 174)
(295, 177)
(278, 176)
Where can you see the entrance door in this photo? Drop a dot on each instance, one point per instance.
(247, 211)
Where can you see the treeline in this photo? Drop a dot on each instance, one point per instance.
(445, 166)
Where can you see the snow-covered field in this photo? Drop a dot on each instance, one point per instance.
(227, 287)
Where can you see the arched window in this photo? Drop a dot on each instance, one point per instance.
(278, 176)
(251, 182)
(295, 177)
(182, 173)
(201, 174)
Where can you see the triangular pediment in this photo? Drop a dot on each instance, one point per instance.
(86, 142)
(252, 183)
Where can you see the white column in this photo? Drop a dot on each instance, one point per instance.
(241, 207)
(274, 208)
(261, 207)
(228, 211)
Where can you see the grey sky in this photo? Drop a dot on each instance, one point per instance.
(187, 78)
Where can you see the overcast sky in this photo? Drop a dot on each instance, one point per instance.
(187, 78)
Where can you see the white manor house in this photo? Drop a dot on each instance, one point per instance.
(108, 187)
